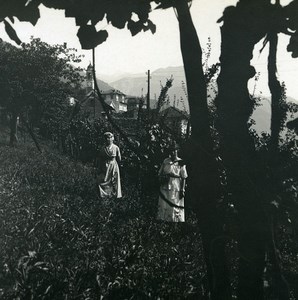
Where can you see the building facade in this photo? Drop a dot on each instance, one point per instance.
(175, 119)
(116, 99)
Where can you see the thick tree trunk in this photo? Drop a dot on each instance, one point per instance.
(278, 114)
(13, 129)
(243, 27)
(203, 183)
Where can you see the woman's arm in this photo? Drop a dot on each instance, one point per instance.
(118, 155)
(183, 182)
(182, 188)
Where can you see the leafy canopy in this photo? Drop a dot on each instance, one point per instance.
(134, 14)
(37, 77)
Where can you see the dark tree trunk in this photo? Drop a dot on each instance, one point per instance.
(278, 114)
(203, 183)
(244, 25)
(276, 92)
(13, 129)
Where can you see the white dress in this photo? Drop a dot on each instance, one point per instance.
(109, 178)
(170, 205)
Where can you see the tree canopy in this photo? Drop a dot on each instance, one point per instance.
(37, 79)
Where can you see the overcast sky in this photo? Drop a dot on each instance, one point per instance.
(122, 53)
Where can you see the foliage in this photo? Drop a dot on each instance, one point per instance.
(37, 81)
(60, 241)
(281, 19)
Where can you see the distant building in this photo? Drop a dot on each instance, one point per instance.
(175, 119)
(115, 99)
(89, 79)
(133, 105)
(92, 107)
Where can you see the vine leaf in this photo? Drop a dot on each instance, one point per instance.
(56, 4)
(293, 45)
(29, 13)
(11, 33)
(90, 38)
(134, 27)
(151, 26)
(165, 4)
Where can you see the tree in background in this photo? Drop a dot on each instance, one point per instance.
(36, 83)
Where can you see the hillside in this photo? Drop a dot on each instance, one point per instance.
(60, 241)
(103, 86)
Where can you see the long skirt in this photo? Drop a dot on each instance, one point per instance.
(170, 206)
(109, 181)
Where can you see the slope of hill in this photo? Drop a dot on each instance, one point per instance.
(103, 86)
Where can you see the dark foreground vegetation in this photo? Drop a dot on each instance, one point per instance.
(59, 241)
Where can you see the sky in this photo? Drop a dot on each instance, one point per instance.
(122, 53)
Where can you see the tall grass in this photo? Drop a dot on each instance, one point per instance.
(60, 241)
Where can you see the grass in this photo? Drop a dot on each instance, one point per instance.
(59, 241)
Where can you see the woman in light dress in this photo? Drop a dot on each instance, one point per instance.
(172, 176)
(109, 176)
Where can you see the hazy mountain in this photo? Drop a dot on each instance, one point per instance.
(103, 86)
(136, 85)
(114, 77)
(262, 114)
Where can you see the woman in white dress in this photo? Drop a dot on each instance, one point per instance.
(172, 176)
(109, 176)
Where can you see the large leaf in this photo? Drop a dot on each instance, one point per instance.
(84, 11)
(29, 13)
(134, 27)
(57, 4)
(291, 13)
(118, 18)
(164, 4)
(151, 26)
(293, 45)
(90, 38)
(24, 11)
(12, 33)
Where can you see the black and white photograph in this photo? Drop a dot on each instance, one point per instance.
(149, 149)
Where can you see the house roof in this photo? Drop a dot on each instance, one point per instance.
(113, 91)
(93, 94)
(173, 112)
